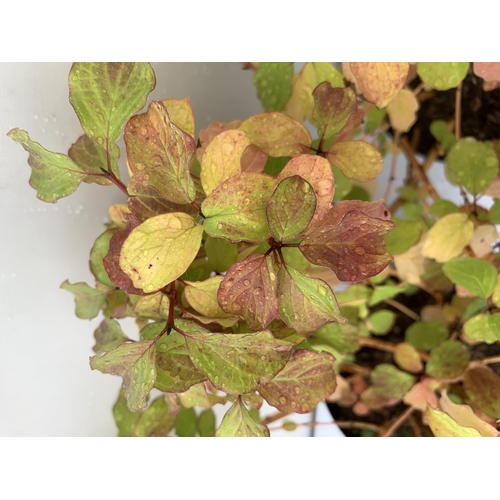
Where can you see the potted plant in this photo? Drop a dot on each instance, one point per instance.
(228, 246)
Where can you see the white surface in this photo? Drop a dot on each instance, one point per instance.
(46, 385)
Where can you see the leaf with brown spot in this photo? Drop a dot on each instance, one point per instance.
(159, 154)
(238, 363)
(290, 209)
(402, 110)
(318, 173)
(482, 240)
(277, 134)
(108, 336)
(249, 290)
(356, 159)
(222, 158)
(306, 379)
(482, 387)
(379, 82)
(332, 108)
(181, 113)
(145, 202)
(353, 247)
(306, 304)
(238, 422)
(236, 210)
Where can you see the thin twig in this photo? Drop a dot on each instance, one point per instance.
(397, 423)
(344, 424)
(381, 345)
(249, 65)
(418, 169)
(458, 112)
(394, 159)
(491, 360)
(273, 417)
(354, 368)
(405, 310)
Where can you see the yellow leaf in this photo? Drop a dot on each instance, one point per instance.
(181, 113)
(402, 110)
(448, 237)
(442, 425)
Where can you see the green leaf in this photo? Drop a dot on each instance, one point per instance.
(134, 362)
(185, 423)
(408, 193)
(273, 81)
(106, 95)
(475, 306)
(97, 254)
(356, 159)
(332, 108)
(53, 175)
(382, 293)
(124, 418)
(381, 322)
(275, 165)
(448, 237)
(439, 129)
(202, 296)
(482, 387)
(277, 134)
(442, 75)
(221, 254)
(403, 237)
(159, 250)
(290, 208)
(477, 276)
(181, 113)
(238, 422)
(350, 240)
(494, 213)
(472, 164)
(159, 154)
(374, 119)
(483, 328)
(236, 210)
(155, 306)
(156, 421)
(249, 289)
(206, 423)
(343, 185)
(197, 395)
(317, 172)
(440, 208)
(425, 335)
(306, 304)
(442, 425)
(91, 158)
(238, 363)
(116, 304)
(306, 379)
(447, 360)
(343, 338)
(222, 158)
(108, 336)
(88, 301)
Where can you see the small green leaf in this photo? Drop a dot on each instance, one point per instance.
(159, 154)
(374, 119)
(477, 276)
(440, 208)
(206, 423)
(448, 237)
(159, 250)
(381, 322)
(472, 164)
(222, 158)
(289, 425)
(403, 236)
(442, 75)
(197, 395)
(482, 387)
(108, 336)
(53, 175)
(306, 379)
(236, 210)
(88, 301)
(277, 134)
(156, 421)
(439, 129)
(221, 254)
(356, 159)
(425, 335)
(238, 363)
(442, 425)
(185, 423)
(343, 338)
(106, 95)
(306, 304)
(238, 422)
(97, 254)
(343, 185)
(274, 166)
(382, 293)
(134, 362)
(273, 81)
(124, 418)
(494, 213)
(483, 328)
(290, 209)
(447, 360)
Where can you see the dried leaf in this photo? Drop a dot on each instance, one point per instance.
(483, 239)
(442, 425)
(422, 395)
